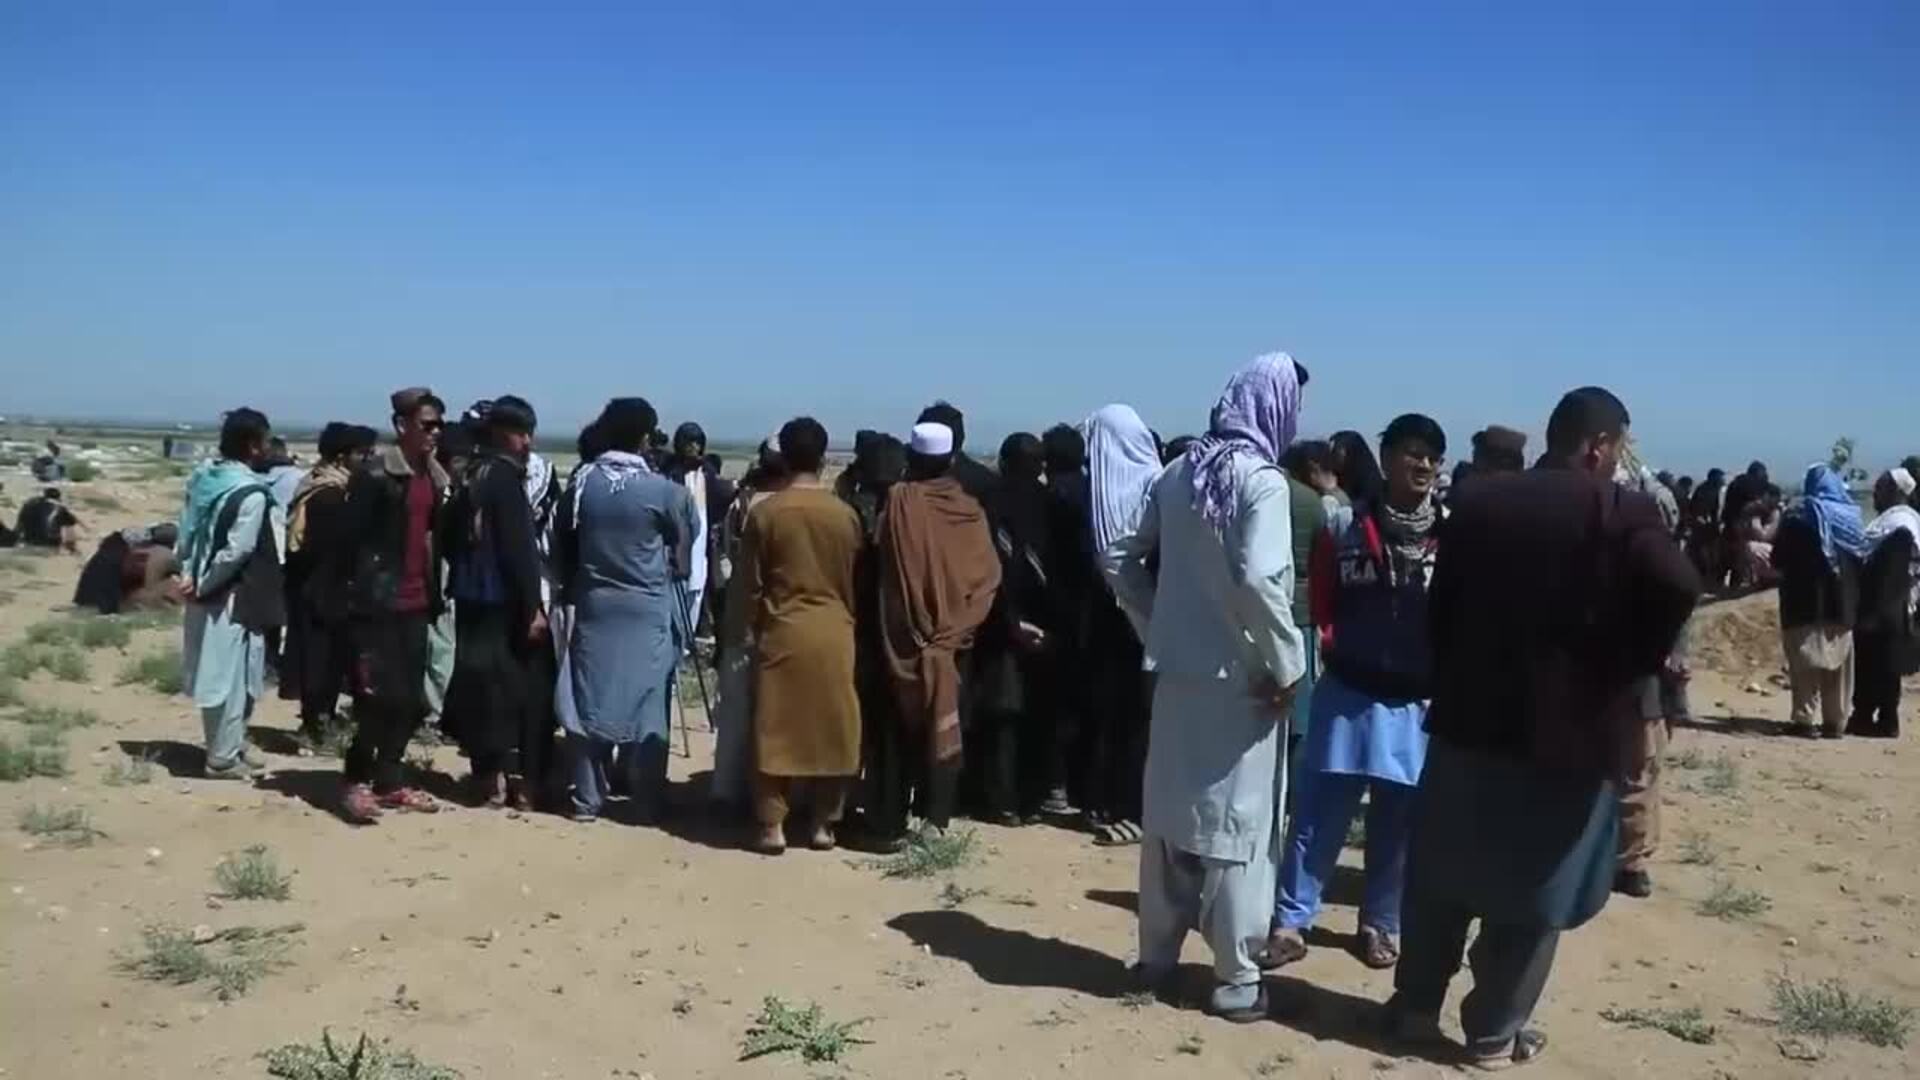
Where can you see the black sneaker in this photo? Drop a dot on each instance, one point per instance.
(1635, 883)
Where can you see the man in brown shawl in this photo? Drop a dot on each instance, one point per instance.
(938, 576)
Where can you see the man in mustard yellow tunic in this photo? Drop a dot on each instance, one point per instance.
(797, 566)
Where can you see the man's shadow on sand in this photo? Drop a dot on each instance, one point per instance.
(1739, 726)
(1016, 958)
(1345, 887)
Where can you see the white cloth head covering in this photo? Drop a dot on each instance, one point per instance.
(931, 440)
(1894, 520)
(539, 485)
(1122, 464)
(1899, 519)
(1903, 480)
(618, 466)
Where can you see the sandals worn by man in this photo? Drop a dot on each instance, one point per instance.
(237, 769)
(1117, 834)
(1378, 950)
(769, 841)
(358, 805)
(1283, 947)
(412, 800)
(1519, 1050)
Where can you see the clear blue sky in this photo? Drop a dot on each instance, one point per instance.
(746, 210)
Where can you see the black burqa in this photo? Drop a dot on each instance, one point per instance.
(1012, 749)
(888, 770)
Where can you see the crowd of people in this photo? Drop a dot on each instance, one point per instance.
(1847, 586)
(1214, 648)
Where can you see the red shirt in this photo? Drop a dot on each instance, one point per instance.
(411, 595)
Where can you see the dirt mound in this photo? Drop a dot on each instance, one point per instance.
(1739, 639)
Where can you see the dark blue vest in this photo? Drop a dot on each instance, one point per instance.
(1379, 629)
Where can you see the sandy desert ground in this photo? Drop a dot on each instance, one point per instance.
(532, 947)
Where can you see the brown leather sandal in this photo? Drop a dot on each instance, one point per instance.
(1283, 947)
(1378, 950)
(1520, 1050)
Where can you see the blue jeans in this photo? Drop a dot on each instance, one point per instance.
(1324, 805)
(1297, 720)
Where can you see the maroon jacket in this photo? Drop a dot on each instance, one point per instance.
(1554, 594)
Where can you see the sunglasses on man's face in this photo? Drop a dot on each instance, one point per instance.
(430, 425)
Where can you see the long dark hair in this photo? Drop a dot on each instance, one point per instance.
(1356, 467)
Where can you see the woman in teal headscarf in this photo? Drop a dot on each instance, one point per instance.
(221, 528)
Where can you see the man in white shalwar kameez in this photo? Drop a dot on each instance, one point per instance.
(1227, 654)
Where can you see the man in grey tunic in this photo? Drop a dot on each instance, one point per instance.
(624, 534)
(1222, 640)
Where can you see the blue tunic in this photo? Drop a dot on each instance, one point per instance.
(625, 642)
(1356, 733)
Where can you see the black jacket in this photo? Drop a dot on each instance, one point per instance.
(720, 492)
(1742, 490)
(1019, 521)
(975, 479)
(1555, 594)
(1075, 585)
(318, 573)
(40, 522)
(492, 557)
(376, 527)
(1812, 591)
(1886, 592)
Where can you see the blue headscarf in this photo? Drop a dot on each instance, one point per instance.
(211, 482)
(1829, 508)
(1257, 415)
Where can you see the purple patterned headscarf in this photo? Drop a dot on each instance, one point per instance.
(1257, 414)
